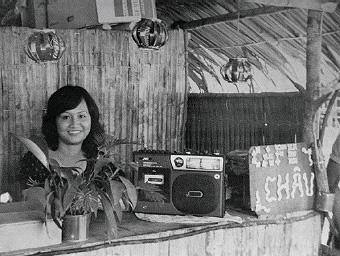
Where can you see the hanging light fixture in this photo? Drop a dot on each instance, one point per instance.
(236, 70)
(44, 45)
(150, 34)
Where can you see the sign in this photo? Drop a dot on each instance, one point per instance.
(118, 11)
(281, 179)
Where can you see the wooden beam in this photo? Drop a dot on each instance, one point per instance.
(242, 14)
(314, 99)
(320, 5)
(313, 67)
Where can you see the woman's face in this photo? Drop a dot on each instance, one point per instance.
(74, 125)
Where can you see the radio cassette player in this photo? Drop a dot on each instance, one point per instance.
(181, 184)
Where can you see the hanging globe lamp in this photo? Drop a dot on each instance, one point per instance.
(236, 70)
(44, 45)
(150, 34)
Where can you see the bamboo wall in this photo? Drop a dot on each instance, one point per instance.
(141, 93)
(225, 122)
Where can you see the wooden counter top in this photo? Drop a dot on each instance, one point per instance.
(136, 233)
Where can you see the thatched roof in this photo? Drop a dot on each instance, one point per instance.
(273, 38)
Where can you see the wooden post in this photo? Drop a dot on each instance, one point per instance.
(313, 90)
(314, 99)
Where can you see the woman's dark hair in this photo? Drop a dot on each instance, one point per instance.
(66, 98)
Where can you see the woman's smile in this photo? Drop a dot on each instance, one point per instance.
(74, 132)
(74, 125)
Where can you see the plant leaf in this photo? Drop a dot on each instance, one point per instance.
(130, 190)
(55, 211)
(34, 149)
(71, 193)
(134, 165)
(112, 228)
(151, 192)
(118, 211)
(53, 162)
(94, 202)
(100, 163)
(116, 189)
(35, 194)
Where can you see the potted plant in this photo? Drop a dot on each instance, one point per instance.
(71, 199)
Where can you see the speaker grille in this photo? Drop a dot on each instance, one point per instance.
(195, 193)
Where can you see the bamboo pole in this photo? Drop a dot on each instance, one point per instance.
(314, 99)
(313, 87)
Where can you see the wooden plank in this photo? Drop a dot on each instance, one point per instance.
(285, 236)
(320, 5)
(242, 14)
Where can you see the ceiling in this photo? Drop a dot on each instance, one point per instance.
(272, 38)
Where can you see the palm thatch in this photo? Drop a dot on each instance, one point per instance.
(272, 38)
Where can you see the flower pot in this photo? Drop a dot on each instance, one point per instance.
(76, 227)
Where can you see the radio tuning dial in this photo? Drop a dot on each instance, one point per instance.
(179, 161)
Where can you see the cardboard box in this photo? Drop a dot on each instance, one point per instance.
(33, 14)
(66, 14)
(21, 227)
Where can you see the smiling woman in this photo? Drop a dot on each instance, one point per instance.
(71, 131)
(73, 127)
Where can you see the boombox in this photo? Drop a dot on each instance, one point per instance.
(181, 184)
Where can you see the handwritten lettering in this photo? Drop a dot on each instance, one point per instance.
(296, 184)
(282, 186)
(282, 178)
(259, 206)
(267, 190)
(310, 191)
(309, 153)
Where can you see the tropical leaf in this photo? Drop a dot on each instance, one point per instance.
(47, 187)
(68, 193)
(111, 142)
(93, 202)
(148, 187)
(34, 149)
(100, 163)
(94, 208)
(109, 215)
(55, 210)
(116, 189)
(35, 194)
(130, 190)
(134, 165)
(71, 193)
(69, 173)
(333, 56)
(151, 192)
(118, 210)
(154, 196)
(54, 163)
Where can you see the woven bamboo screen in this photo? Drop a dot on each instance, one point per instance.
(141, 93)
(225, 122)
